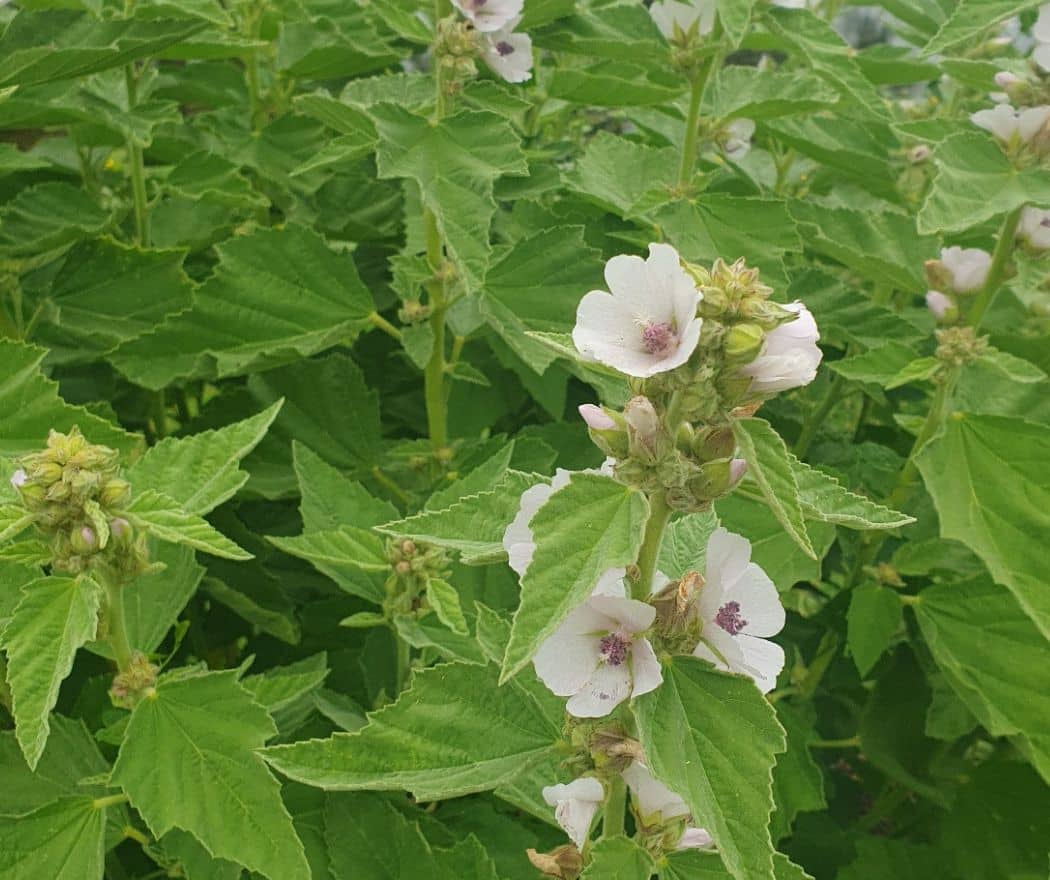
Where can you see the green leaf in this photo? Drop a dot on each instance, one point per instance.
(108, 293)
(451, 733)
(875, 616)
(54, 617)
(615, 84)
(211, 781)
(798, 783)
(278, 687)
(63, 840)
(328, 406)
(735, 17)
(970, 19)
(14, 519)
(725, 732)
(984, 666)
(893, 858)
(584, 529)
(976, 182)
(472, 526)
(881, 366)
(344, 546)
(443, 598)
(618, 858)
(276, 295)
(165, 518)
(329, 499)
(536, 286)
(454, 164)
(204, 175)
(882, 247)
(42, 46)
(201, 471)
(824, 498)
(828, 55)
(747, 92)
(622, 175)
(684, 546)
(14, 160)
(46, 217)
(355, 822)
(991, 487)
(769, 464)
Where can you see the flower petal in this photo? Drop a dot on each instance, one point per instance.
(646, 672)
(568, 658)
(759, 602)
(763, 660)
(651, 796)
(728, 555)
(606, 689)
(629, 614)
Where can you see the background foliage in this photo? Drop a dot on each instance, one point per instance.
(217, 225)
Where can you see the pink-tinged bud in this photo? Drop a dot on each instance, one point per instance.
(83, 540)
(737, 469)
(119, 528)
(597, 419)
(938, 304)
(919, 154)
(1004, 79)
(643, 427)
(18, 478)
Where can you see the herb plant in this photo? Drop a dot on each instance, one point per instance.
(509, 438)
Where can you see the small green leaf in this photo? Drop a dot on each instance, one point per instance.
(278, 687)
(347, 545)
(824, 498)
(875, 615)
(443, 598)
(54, 617)
(201, 471)
(189, 760)
(165, 518)
(620, 858)
(584, 529)
(451, 733)
(769, 464)
(726, 733)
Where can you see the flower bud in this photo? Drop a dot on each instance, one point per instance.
(120, 531)
(608, 430)
(1004, 79)
(47, 472)
(643, 428)
(32, 495)
(715, 479)
(737, 469)
(18, 478)
(743, 343)
(83, 540)
(941, 306)
(596, 417)
(115, 493)
(58, 491)
(919, 154)
(563, 861)
(65, 446)
(714, 443)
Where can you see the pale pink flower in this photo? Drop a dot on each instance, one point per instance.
(575, 805)
(790, 355)
(490, 15)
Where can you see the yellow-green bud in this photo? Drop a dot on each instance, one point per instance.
(115, 493)
(83, 540)
(743, 343)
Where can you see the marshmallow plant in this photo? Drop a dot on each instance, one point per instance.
(493, 439)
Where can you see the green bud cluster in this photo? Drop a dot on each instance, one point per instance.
(958, 346)
(454, 52)
(413, 563)
(135, 682)
(74, 492)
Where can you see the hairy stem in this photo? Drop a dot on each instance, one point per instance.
(692, 130)
(136, 166)
(659, 515)
(1004, 247)
(813, 423)
(109, 801)
(117, 625)
(434, 374)
(615, 805)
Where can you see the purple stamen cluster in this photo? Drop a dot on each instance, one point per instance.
(729, 618)
(613, 649)
(504, 48)
(659, 338)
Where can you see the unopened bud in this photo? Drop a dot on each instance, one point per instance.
(743, 343)
(120, 530)
(18, 478)
(408, 547)
(403, 568)
(918, 155)
(714, 443)
(83, 540)
(58, 491)
(643, 427)
(115, 493)
(938, 276)
(940, 306)
(714, 480)
(1004, 79)
(737, 469)
(596, 418)
(47, 472)
(563, 861)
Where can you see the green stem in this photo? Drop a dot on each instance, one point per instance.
(850, 742)
(404, 659)
(159, 406)
(381, 323)
(659, 515)
(1004, 247)
(615, 805)
(109, 801)
(813, 423)
(394, 488)
(692, 130)
(5, 689)
(117, 625)
(434, 374)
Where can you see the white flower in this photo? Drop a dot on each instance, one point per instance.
(575, 805)
(736, 138)
(657, 804)
(490, 15)
(670, 13)
(18, 478)
(790, 355)
(1010, 125)
(597, 658)
(738, 606)
(938, 303)
(1035, 227)
(517, 537)
(508, 54)
(1041, 32)
(648, 323)
(968, 267)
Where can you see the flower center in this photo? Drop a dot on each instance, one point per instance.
(729, 618)
(659, 337)
(504, 48)
(613, 649)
